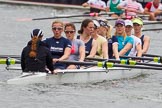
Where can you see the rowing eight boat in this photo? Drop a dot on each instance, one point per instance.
(94, 74)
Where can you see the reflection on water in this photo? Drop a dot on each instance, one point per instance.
(133, 92)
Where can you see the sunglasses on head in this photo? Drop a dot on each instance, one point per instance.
(67, 32)
(57, 28)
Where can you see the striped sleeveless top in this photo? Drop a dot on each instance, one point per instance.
(132, 5)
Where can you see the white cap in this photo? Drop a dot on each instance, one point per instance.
(128, 22)
(96, 23)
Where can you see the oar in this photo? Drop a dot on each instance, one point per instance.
(110, 65)
(10, 56)
(9, 61)
(129, 62)
(67, 16)
(155, 59)
(152, 29)
(99, 64)
(151, 55)
(152, 22)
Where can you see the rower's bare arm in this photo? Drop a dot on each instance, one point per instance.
(82, 53)
(146, 44)
(139, 50)
(66, 54)
(94, 49)
(85, 4)
(105, 50)
(115, 50)
(126, 48)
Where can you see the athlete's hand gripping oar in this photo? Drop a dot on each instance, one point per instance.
(67, 16)
(128, 62)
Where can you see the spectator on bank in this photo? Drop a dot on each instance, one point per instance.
(95, 5)
(150, 9)
(131, 8)
(158, 12)
(112, 7)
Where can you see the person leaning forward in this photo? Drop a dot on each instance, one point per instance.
(36, 57)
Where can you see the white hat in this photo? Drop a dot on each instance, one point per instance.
(96, 23)
(128, 22)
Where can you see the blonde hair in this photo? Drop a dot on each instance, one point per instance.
(58, 21)
(123, 34)
(109, 32)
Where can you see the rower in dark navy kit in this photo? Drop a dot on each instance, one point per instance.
(86, 29)
(36, 57)
(59, 46)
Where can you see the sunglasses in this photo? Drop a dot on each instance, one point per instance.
(67, 32)
(57, 28)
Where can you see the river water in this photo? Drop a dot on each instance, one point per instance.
(144, 91)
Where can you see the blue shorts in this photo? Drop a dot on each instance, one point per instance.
(59, 66)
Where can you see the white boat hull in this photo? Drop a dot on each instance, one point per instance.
(75, 76)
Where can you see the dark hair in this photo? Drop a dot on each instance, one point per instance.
(84, 25)
(71, 25)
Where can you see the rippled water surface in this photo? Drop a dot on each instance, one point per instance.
(144, 91)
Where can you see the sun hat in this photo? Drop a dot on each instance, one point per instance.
(36, 32)
(128, 23)
(119, 21)
(137, 21)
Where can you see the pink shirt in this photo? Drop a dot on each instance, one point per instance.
(133, 5)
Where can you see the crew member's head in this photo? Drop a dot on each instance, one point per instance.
(70, 30)
(57, 28)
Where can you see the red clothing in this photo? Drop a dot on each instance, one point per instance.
(151, 7)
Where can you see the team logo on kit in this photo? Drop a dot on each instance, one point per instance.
(57, 42)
